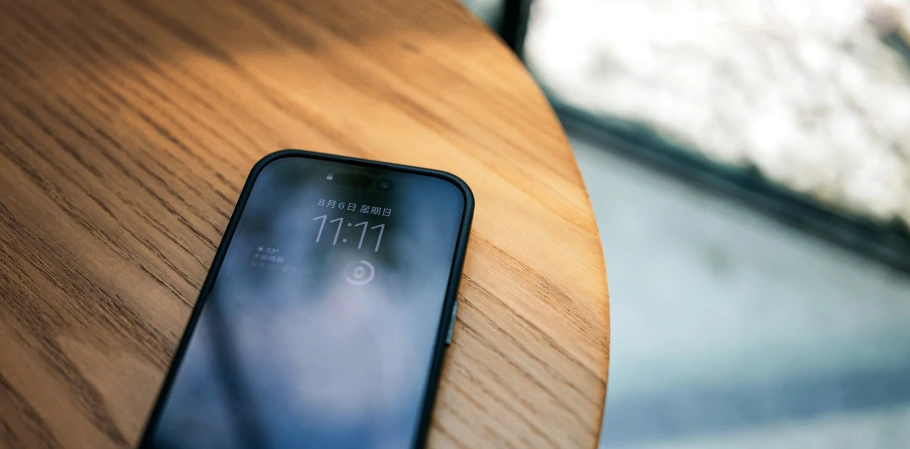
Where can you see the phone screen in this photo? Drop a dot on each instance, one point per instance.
(320, 327)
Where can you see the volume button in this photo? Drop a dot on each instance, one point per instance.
(452, 323)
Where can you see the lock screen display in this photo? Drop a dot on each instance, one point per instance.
(320, 327)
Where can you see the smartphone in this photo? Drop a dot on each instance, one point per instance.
(324, 318)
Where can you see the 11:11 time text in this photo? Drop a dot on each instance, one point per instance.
(340, 221)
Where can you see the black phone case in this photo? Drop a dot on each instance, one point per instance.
(444, 320)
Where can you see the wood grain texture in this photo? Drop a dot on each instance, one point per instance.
(127, 129)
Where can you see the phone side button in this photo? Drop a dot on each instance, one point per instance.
(452, 323)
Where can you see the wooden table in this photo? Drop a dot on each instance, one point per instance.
(127, 129)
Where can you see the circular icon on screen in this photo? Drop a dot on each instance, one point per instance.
(359, 272)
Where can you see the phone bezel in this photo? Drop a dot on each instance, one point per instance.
(445, 317)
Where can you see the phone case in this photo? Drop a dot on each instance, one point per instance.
(444, 320)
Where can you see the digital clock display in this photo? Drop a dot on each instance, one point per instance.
(320, 328)
(340, 221)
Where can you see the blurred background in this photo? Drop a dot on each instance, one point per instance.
(749, 165)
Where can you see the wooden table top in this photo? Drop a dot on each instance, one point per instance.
(127, 129)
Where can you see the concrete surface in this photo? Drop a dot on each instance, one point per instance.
(731, 330)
